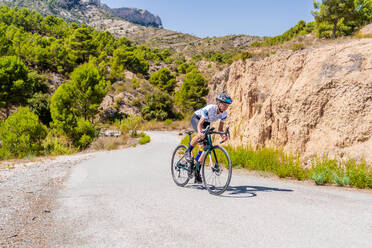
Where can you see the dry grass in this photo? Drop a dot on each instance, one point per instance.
(166, 125)
(111, 143)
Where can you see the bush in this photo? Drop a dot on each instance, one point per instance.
(57, 145)
(168, 122)
(144, 140)
(75, 103)
(127, 60)
(22, 134)
(319, 177)
(131, 125)
(84, 133)
(15, 85)
(301, 28)
(158, 106)
(164, 80)
(194, 88)
(40, 105)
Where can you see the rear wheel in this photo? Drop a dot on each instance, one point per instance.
(217, 171)
(179, 167)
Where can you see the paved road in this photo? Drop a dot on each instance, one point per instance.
(128, 199)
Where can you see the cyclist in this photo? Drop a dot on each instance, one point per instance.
(200, 120)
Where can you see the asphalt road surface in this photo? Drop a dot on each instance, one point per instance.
(127, 198)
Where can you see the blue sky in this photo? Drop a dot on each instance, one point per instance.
(223, 17)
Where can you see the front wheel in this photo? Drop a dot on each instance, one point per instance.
(217, 171)
(179, 166)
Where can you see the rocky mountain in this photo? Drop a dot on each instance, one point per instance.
(138, 16)
(309, 102)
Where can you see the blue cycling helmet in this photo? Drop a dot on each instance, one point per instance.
(224, 98)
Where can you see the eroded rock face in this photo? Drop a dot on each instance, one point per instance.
(367, 30)
(138, 16)
(314, 101)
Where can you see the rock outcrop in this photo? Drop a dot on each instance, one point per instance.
(311, 102)
(138, 16)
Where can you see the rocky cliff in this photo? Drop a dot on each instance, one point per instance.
(310, 102)
(138, 16)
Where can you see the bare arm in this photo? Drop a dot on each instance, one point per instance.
(200, 124)
(220, 126)
(220, 129)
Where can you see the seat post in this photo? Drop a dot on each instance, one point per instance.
(189, 133)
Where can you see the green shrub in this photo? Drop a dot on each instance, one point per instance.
(75, 104)
(319, 177)
(128, 60)
(40, 105)
(22, 134)
(360, 174)
(84, 133)
(194, 88)
(168, 122)
(158, 106)
(15, 85)
(301, 28)
(57, 145)
(164, 80)
(131, 125)
(340, 180)
(144, 140)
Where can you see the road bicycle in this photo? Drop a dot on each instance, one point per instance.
(215, 169)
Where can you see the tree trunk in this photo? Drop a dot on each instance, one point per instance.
(334, 29)
(7, 111)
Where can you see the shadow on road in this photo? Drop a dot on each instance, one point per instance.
(242, 191)
(249, 191)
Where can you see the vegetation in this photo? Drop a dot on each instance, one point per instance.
(301, 28)
(164, 80)
(16, 86)
(144, 140)
(75, 103)
(21, 134)
(158, 106)
(194, 88)
(345, 16)
(131, 125)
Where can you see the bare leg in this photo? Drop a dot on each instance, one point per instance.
(194, 140)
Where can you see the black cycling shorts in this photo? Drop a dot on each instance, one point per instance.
(194, 122)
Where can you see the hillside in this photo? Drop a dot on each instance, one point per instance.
(100, 17)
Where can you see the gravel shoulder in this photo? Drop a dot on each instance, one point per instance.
(27, 195)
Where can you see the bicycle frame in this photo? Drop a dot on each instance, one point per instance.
(207, 150)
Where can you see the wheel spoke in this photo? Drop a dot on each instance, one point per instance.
(216, 177)
(179, 174)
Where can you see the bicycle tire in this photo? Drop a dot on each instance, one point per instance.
(212, 173)
(176, 171)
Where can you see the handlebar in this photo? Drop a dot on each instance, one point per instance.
(210, 130)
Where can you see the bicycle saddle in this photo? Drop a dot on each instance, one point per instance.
(189, 132)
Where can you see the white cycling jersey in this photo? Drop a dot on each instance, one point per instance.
(209, 113)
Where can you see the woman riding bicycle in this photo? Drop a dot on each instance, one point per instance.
(200, 120)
